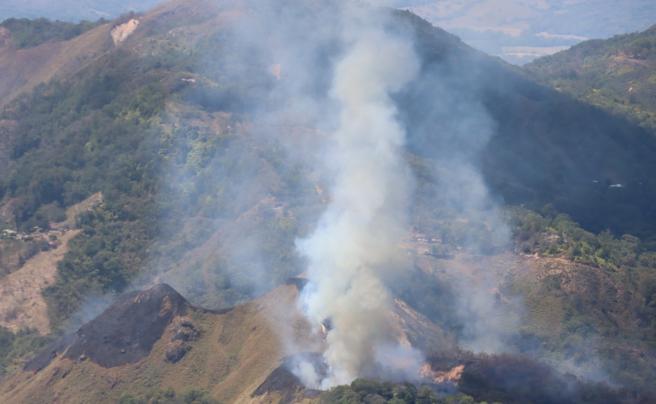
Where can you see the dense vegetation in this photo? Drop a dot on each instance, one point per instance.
(615, 74)
(14, 346)
(604, 291)
(557, 235)
(26, 33)
(533, 145)
(368, 391)
(78, 140)
(118, 128)
(169, 397)
(108, 131)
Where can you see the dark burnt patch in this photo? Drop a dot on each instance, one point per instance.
(298, 282)
(284, 382)
(127, 330)
(50, 352)
(281, 380)
(511, 378)
(122, 334)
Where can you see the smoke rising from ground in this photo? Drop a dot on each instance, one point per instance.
(355, 249)
(354, 75)
(344, 144)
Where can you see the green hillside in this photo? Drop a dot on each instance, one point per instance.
(617, 74)
(123, 122)
(163, 125)
(27, 33)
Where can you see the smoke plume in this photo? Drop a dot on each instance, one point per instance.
(354, 250)
(340, 97)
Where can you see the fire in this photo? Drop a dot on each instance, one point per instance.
(450, 376)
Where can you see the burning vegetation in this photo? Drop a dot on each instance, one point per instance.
(241, 143)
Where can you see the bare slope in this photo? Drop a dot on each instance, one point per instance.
(24, 68)
(21, 302)
(232, 353)
(156, 339)
(22, 305)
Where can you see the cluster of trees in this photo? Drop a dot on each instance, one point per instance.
(14, 346)
(553, 234)
(92, 134)
(27, 33)
(370, 391)
(611, 295)
(613, 74)
(169, 396)
(106, 130)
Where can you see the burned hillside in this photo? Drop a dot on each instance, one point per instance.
(347, 181)
(124, 333)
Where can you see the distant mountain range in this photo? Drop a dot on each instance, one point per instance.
(127, 149)
(72, 10)
(618, 74)
(516, 30)
(521, 30)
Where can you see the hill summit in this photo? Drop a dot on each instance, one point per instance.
(122, 334)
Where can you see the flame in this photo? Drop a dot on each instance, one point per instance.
(450, 376)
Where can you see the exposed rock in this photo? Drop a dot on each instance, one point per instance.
(121, 32)
(184, 330)
(176, 350)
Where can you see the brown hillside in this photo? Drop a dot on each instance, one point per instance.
(155, 339)
(22, 305)
(21, 302)
(23, 69)
(230, 356)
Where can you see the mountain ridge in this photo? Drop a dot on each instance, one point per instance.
(162, 125)
(614, 74)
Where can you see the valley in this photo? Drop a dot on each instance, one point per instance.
(163, 172)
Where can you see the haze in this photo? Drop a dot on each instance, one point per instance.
(518, 31)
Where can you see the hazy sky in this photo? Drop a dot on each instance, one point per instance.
(71, 9)
(517, 30)
(520, 30)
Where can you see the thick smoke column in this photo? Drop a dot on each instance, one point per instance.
(354, 250)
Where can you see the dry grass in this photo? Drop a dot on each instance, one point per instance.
(236, 351)
(21, 303)
(21, 70)
(21, 300)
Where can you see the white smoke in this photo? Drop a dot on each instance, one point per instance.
(354, 251)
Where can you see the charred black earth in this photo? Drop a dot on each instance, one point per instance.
(122, 334)
(288, 385)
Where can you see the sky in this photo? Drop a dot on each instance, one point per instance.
(516, 30)
(521, 30)
(71, 10)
